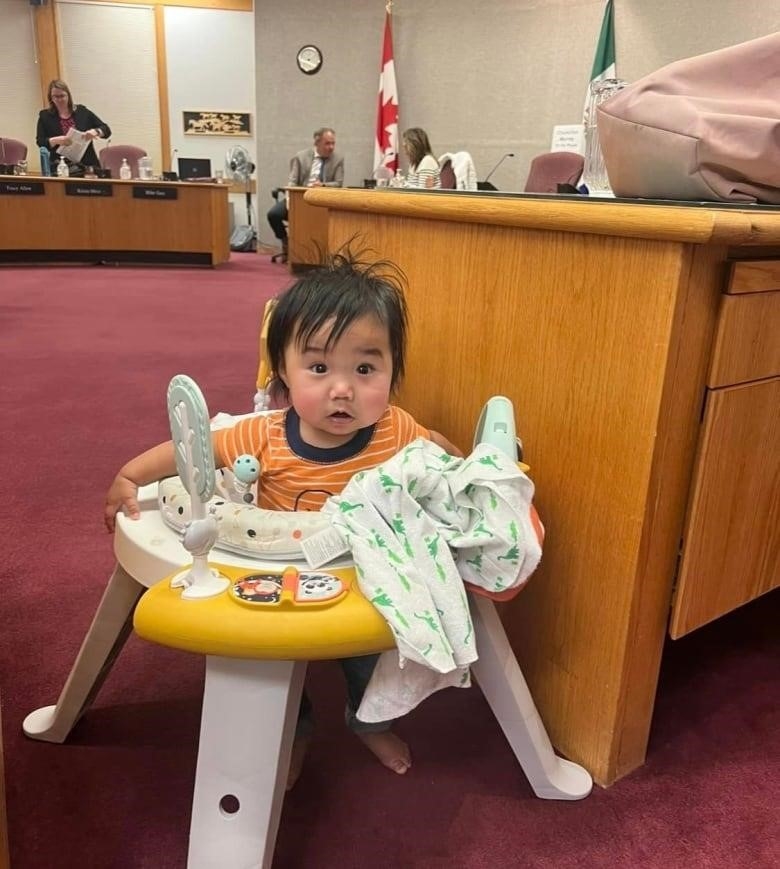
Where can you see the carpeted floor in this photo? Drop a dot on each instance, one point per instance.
(85, 358)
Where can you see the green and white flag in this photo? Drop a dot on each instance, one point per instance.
(604, 59)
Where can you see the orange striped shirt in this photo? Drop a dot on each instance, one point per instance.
(297, 476)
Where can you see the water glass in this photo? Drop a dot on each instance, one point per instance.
(595, 172)
(145, 168)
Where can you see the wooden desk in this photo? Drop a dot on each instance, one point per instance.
(242, 187)
(307, 231)
(49, 224)
(639, 346)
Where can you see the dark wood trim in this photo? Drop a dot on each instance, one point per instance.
(107, 257)
(47, 47)
(162, 86)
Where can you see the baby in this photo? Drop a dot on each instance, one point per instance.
(336, 345)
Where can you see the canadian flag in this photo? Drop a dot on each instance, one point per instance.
(386, 145)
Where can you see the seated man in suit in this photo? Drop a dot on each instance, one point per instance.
(314, 167)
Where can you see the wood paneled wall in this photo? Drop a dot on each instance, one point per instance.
(50, 62)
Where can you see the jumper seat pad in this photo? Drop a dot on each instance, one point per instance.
(243, 528)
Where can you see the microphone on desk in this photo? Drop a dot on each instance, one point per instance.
(171, 174)
(490, 174)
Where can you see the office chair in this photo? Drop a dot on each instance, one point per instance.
(549, 170)
(457, 171)
(12, 151)
(112, 155)
(447, 175)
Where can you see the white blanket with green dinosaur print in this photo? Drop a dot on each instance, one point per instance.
(418, 526)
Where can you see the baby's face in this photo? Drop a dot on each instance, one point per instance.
(341, 390)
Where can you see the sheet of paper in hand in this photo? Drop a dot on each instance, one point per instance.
(76, 146)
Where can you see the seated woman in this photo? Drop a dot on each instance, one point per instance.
(62, 115)
(423, 166)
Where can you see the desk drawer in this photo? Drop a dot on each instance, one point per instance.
(731, 540)
(747, 342)
(754, 276)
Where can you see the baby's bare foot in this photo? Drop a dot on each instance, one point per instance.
(390, 750)
(297, 756)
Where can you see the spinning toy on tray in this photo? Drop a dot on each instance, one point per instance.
(191, 435)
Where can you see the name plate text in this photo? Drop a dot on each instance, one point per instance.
(146, 191)
(22, 188)
(80, 188)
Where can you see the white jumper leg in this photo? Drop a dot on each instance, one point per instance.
(110, 628)
(499, 676)
(250, 709)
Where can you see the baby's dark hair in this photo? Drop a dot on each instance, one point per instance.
(344, 289)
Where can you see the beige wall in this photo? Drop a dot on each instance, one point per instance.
(487, 77)
(106, 50)
(20, 101)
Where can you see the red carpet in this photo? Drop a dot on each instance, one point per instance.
(85, 358)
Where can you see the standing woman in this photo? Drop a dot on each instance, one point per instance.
(62, 116)
(423, 166)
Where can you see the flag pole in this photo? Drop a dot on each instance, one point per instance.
(604, 57)
(386, 141)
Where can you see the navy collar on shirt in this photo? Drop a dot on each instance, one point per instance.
(323, 455)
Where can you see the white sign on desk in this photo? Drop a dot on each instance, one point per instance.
(568, 137)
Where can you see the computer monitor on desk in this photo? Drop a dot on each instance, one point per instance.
(194, 169)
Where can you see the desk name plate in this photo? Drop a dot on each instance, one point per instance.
(145, 191)
(22, 188)
(82, 188)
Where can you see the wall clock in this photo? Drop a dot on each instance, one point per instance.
(309, 59)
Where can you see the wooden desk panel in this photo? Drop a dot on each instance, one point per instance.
(307, 231)
(597, 322)
(191, 228)
(747, 345)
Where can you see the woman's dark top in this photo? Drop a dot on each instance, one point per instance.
(49, 126)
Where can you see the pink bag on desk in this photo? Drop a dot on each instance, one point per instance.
(703, 128)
